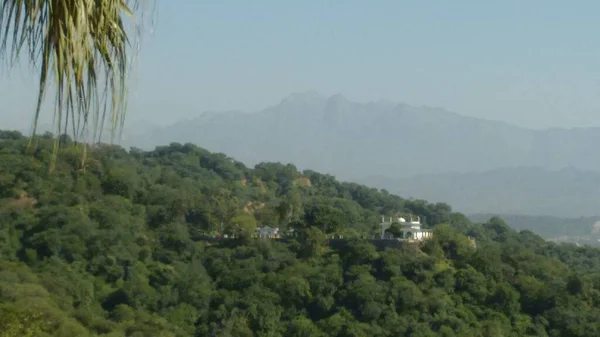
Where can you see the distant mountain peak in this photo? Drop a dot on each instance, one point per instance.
(303, 97)
(386, 102)
(337, 98)
(354, 139)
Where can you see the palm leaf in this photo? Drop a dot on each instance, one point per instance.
(82, 47)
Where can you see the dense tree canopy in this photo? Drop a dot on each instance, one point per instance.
(122, 247)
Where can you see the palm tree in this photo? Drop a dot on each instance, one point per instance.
(82, 47)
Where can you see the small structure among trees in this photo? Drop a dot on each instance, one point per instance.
(267, 232)
(400, 228)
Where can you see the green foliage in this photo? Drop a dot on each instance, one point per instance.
(127, 247)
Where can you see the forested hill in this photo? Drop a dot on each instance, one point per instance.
(115, 247)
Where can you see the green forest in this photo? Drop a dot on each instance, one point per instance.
(120, 244)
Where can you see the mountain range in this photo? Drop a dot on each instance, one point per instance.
(580, 230)
(474, 164)
(565, 193)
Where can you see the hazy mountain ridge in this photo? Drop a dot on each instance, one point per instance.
(427, 152)
(581, 230)
(568, 192)
(346, 138)
(355, 139)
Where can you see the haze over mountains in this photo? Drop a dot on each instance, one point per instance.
(568, 192)
(420, 152)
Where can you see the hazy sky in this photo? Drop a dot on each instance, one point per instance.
(534, 63)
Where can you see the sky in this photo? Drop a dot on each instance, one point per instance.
(532, 63)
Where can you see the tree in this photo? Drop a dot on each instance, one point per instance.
(21, 324)
(322, 215)
(80, 45)
(290, 207)
(312, 240)
(303, 327)
(396, 230)
(224, 207)
(243, 225)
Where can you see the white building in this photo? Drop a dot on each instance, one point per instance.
(267, 232)
(411, 230)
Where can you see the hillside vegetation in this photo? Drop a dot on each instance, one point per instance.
(118, 248)
(477, 166)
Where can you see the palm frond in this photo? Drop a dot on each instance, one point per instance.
(82, 47)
